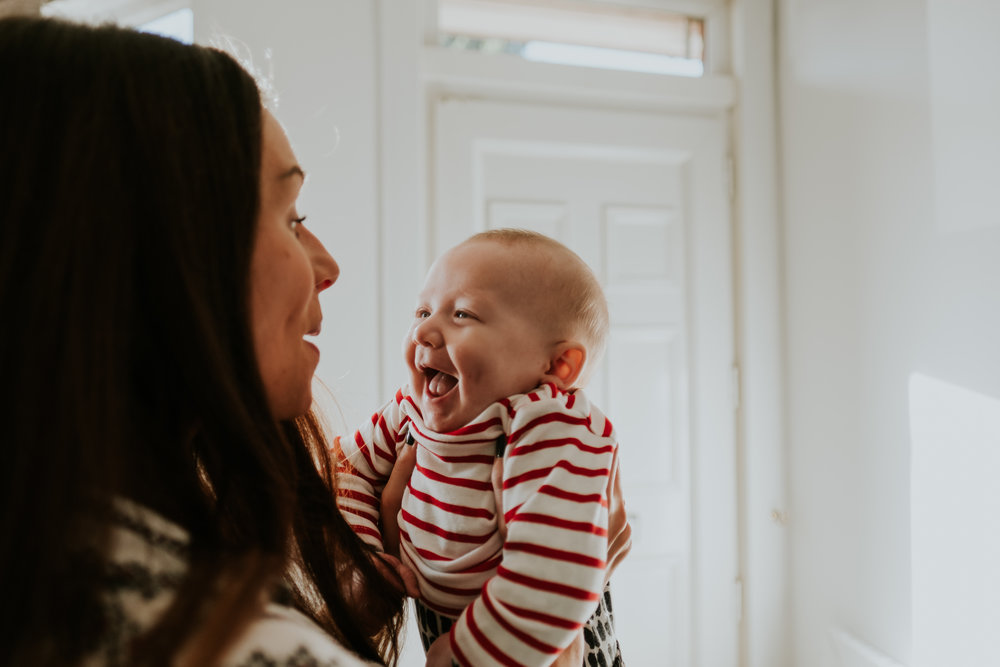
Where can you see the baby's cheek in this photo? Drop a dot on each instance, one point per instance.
(408, 347)
(481, 375)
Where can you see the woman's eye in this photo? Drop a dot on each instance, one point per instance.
(294, 224)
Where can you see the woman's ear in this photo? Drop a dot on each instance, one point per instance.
(566, 365)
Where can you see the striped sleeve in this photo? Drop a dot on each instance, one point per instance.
(364, 462)
(552, 573)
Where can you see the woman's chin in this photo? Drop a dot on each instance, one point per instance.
(291, 405)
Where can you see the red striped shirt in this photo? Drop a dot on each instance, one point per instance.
(555, 473)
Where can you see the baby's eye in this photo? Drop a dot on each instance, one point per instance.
(423, 313)
(463, 315)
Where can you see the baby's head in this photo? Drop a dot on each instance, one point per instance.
(499, 314)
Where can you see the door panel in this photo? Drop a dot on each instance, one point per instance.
(641, 199)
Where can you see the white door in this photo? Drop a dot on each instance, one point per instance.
(643, 199)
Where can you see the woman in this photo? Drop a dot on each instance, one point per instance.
(160, 487)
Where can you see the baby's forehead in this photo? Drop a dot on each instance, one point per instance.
(523, 258)
(517, 265)
(535, 280)
(486, 266)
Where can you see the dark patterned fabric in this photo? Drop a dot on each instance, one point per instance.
(601, 650)
(300, 658)
(156, 539)
(147, 562)
(432, 624)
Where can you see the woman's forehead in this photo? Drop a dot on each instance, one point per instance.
(278, 160)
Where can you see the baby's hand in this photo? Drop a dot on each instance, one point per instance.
(392, 497)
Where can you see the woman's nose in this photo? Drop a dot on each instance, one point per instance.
(325, 267)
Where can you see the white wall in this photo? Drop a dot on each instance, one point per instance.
(323, 60)
(885, 276)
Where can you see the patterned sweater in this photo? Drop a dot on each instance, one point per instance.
(147, 563)
(519, 601)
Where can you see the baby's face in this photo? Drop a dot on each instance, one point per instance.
(474, 338)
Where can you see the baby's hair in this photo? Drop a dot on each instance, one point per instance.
(571, 283)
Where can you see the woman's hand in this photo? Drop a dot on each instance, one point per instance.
(392, 497)
(395, 571)
(390, 502)
(372, 614)
(439, 654)
(573, 655)
(619, 530)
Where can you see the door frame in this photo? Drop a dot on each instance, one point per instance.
(413, 73)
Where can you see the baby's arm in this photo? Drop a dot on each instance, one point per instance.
(555, 481)
(619, 529)
(364, 462)
(619, 544)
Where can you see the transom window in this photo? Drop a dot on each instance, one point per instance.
(577, 33)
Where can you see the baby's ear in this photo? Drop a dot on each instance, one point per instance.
(566, 364)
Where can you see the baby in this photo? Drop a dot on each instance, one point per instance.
(508, 327)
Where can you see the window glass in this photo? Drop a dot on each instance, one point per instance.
(577, 33)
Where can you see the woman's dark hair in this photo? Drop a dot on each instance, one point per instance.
(129, 178)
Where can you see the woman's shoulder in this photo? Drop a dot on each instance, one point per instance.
(284, 637)
(148, 561)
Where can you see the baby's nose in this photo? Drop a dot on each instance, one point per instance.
(427, 334)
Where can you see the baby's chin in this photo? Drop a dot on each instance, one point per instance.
(445, 423)
(449, 421)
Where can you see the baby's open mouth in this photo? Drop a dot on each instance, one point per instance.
(439, 383)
